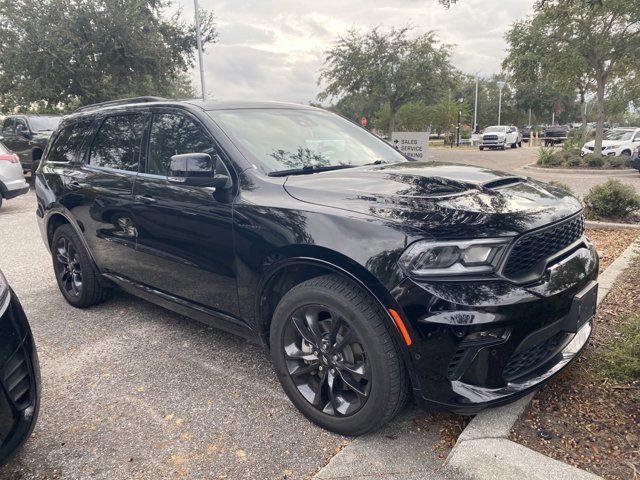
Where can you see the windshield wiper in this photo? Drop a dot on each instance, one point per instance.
(307, 170)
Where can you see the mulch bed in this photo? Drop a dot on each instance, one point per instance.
(582, 417)
(611, 243)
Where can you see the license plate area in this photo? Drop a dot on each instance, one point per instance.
(583, 308)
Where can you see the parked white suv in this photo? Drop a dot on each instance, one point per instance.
(499, 136)
(617, 141)
(12, 182)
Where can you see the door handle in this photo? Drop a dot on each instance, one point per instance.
(145, 199)
(75, 186)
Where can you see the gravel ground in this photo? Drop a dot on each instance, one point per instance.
(131, 390)
(513, 160)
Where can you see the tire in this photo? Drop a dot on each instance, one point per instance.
(520, 144)
(514, 145)
(481, 148)
(503, 147)
(625, 153)
(77, 277)
(333, 302)
(34, 168)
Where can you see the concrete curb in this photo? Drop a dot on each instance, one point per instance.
(483, 450)
(618, 172)
(611, 225)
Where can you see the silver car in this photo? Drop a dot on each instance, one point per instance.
(12, 182)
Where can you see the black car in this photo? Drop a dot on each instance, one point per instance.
(27, 136)
(369, 276)
(19, 374)
(635, 159)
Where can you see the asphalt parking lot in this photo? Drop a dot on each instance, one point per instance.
(514, 160)
(133, 391)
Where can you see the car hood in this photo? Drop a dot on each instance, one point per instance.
(495, 133)
(443, 200)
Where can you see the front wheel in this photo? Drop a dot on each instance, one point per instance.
(336, 358)
(481, 148)
(77, 276)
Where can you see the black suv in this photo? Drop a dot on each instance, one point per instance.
(369, 276)
(27, 136)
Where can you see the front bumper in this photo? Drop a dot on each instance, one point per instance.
(610, 153)
(483, 343)
(19, 377)
(493, 143)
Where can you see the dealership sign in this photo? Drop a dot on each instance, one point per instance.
(412, 144)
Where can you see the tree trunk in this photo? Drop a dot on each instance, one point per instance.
(583, 112)
(392, 118)
(600, 84)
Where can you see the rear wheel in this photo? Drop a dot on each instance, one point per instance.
(481, 148)
(336, 358)
(77, 276)
(514, 145)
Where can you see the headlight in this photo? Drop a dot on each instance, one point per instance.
(425, 258)
(611, 147)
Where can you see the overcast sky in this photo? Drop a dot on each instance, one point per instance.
(274, 49)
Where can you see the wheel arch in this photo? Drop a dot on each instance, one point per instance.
(290, 270)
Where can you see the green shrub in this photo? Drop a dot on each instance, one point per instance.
(595, 161)
(611, 199)
(573, 161)
(622, 361)
(562, 186)
(547, 157)
(616, 162)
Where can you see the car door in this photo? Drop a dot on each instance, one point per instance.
(185, 235)
(100, 191)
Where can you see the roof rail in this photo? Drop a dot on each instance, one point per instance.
(122, 101)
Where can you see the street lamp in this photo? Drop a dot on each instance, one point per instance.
(501, 85)
(460, 100)
(199, 42)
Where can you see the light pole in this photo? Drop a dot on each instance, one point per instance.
(501, 85)
(475, 109)
(199, 40)
(460, 100)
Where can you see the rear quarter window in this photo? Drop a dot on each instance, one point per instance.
(67, 143)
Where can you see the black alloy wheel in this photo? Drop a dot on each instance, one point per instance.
(79, 280)
(336, 356)
(326, 360)
(67, 265)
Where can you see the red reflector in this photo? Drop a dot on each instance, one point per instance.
(400, 324)
(9, 158)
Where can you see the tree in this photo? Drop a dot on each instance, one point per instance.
(57, 54)
(411, 117)
(598, 39)
(444, 114)
(387, 65)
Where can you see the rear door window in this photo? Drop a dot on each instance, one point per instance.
(69, 141)
(9, 125)
(118, 142)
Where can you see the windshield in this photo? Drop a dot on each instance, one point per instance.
(39, 124)
(618, 135)
(495, 129)
(281, 139)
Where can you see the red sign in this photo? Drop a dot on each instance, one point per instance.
(363, 121)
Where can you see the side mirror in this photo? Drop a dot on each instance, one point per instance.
(195, 169)
(22, 130)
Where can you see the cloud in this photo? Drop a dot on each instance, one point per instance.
(275, 49)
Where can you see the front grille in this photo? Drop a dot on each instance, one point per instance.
(490, 137)
(17, 379)
(530, 249)
(528, 360)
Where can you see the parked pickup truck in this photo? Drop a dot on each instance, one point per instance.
(555, 134)
(499, 136)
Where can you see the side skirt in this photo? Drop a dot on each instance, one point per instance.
(195, 311)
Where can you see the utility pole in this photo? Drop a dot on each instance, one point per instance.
(529, 116)
(501, 85)
(475, 109)
(199, 40)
